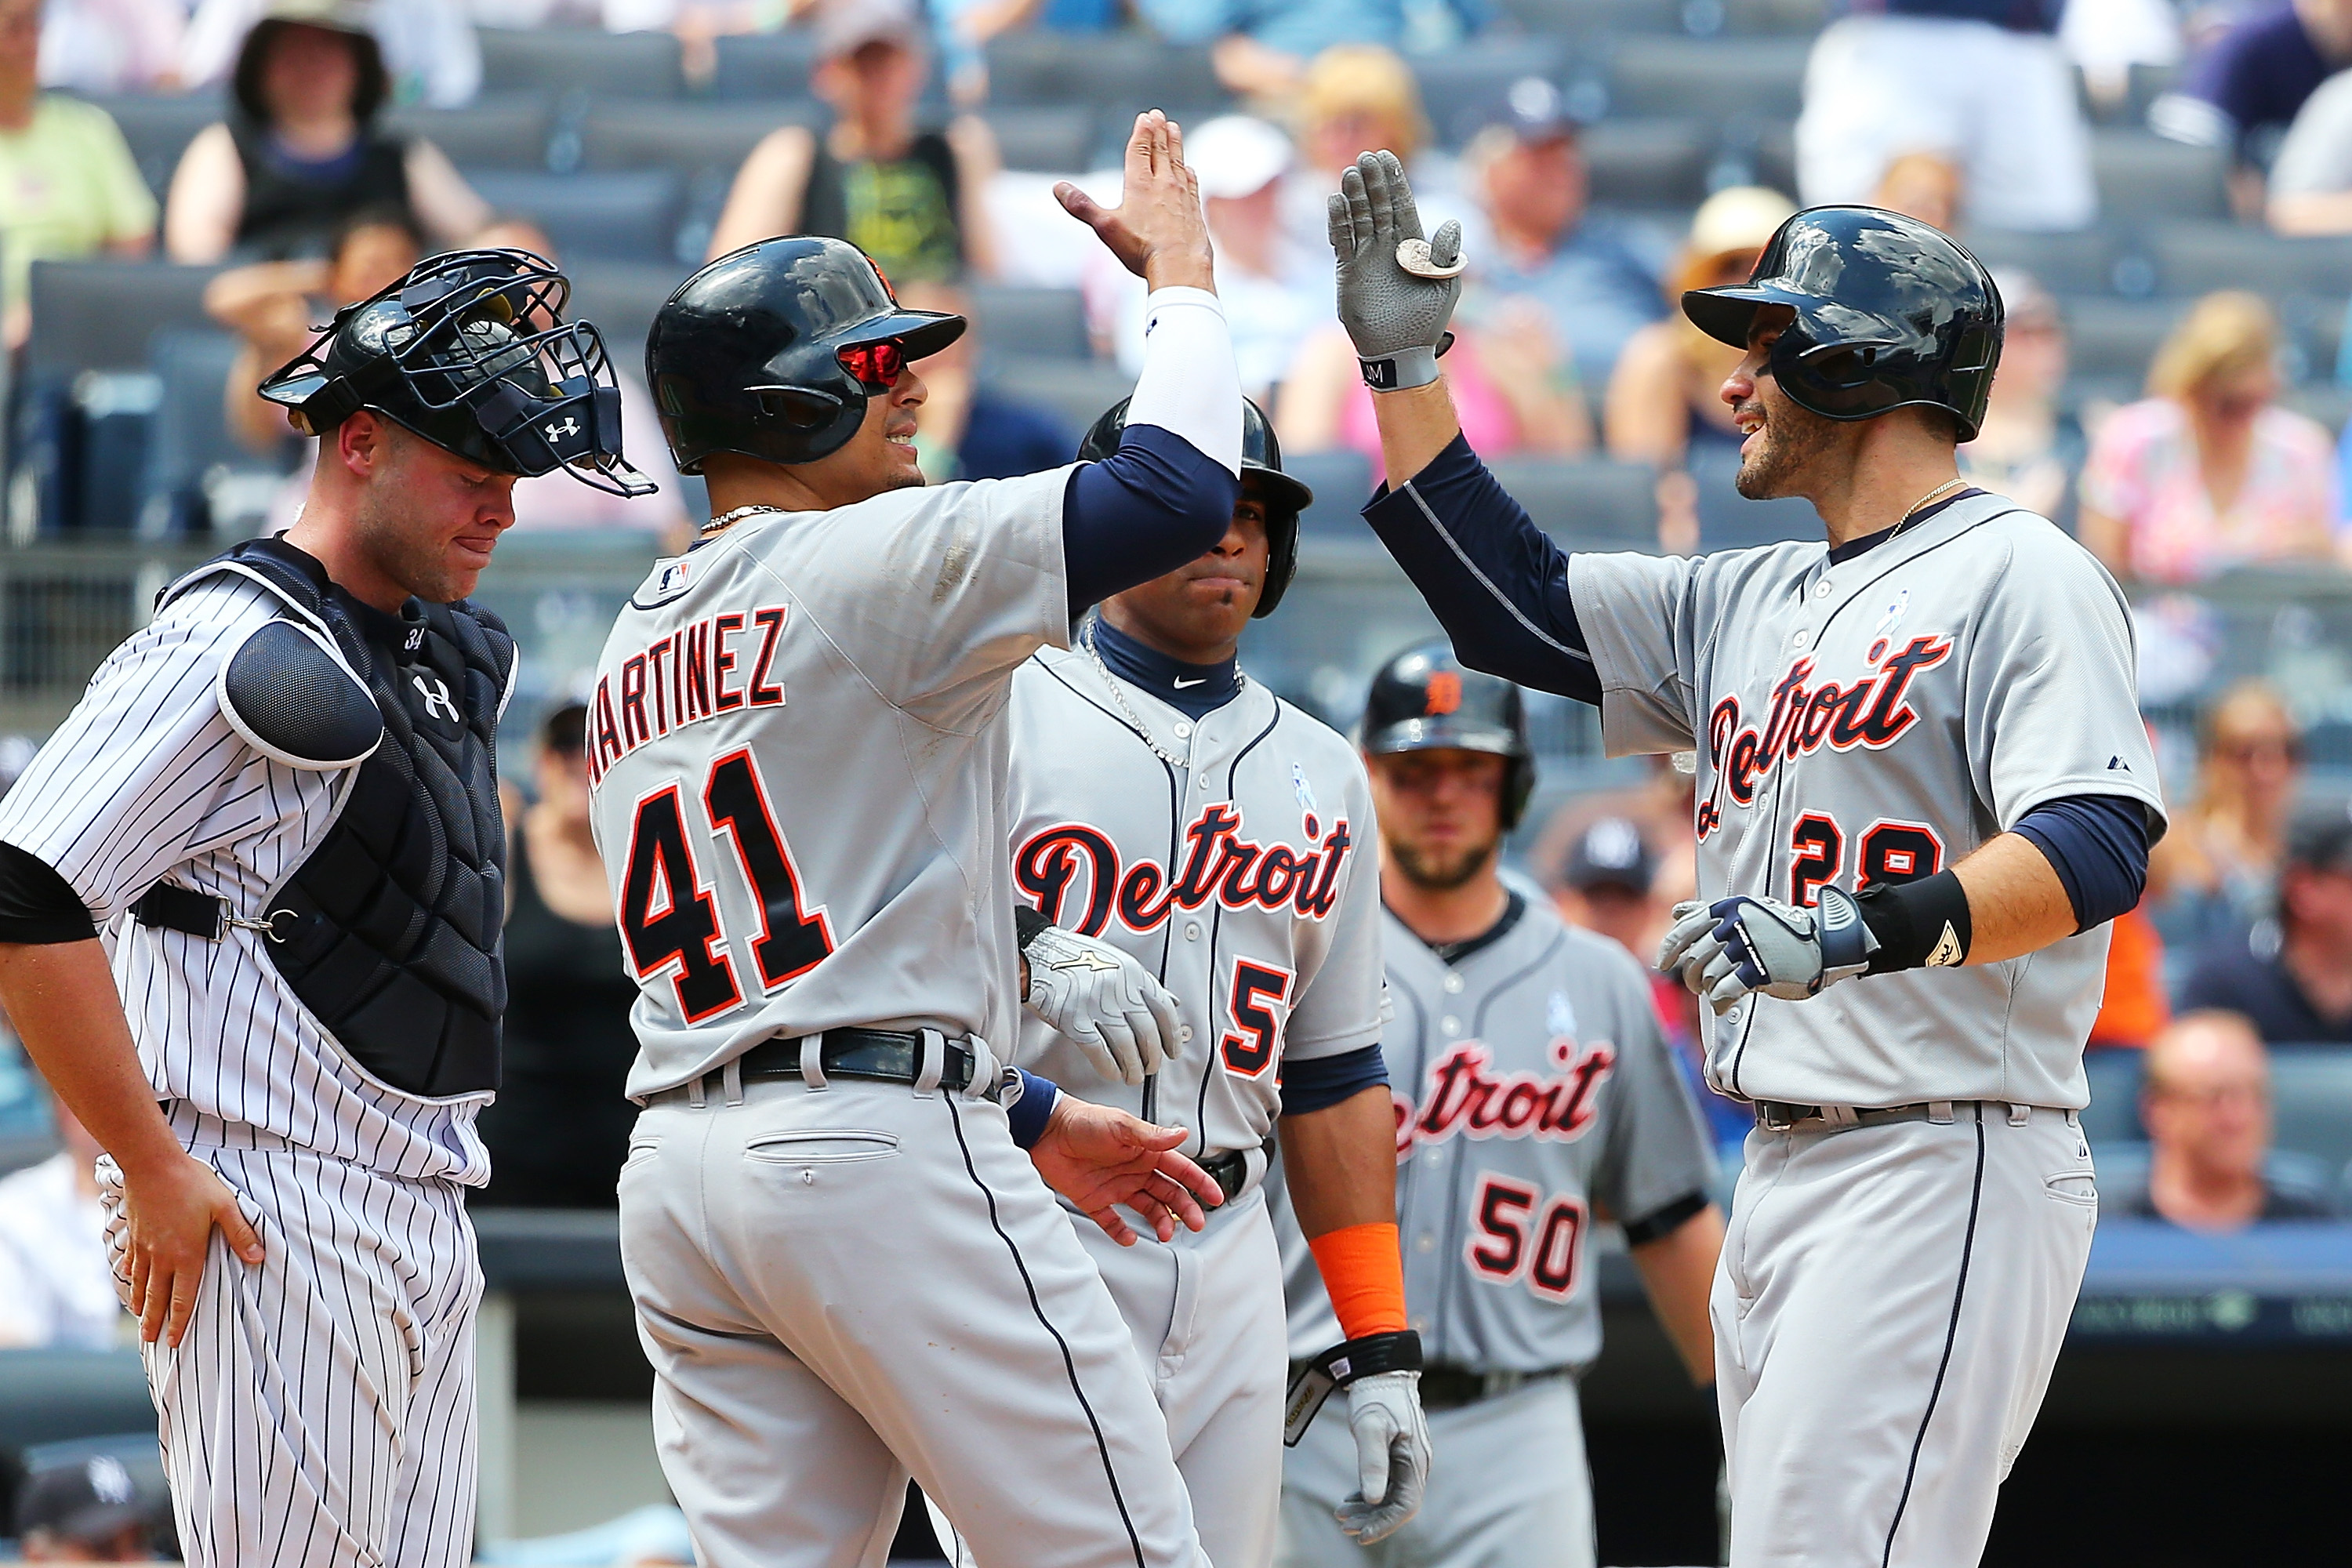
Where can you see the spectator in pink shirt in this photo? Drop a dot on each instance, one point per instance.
(2208, 473)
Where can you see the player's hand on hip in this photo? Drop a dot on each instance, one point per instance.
(1098, 995)
(1397, 290)
(1099, 1157)
(1391, 1454)
(1158, 231)
(170, 1212)
(1726, 949)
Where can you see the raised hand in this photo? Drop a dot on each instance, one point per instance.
(1397, 290)
(1099, 1157)
(1158, 231)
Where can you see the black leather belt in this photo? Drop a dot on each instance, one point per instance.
(1446, 1385)
(890, 1056)
(1229, 1170)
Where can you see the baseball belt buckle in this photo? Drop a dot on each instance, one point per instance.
(1780, 1116)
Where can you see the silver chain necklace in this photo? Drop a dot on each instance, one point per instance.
(1134, 720)
(725, 520)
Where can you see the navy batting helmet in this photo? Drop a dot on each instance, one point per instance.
(1891, 313)
(471, 351)
(771, 351)
(1423, 700)
(1283, 496)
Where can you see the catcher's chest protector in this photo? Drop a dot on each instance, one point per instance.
(390, 930)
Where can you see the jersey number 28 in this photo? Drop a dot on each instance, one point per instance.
(669, 919)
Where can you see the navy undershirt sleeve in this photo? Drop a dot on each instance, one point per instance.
(1141, 513)
(1495, 580)
(2098, 846)
(38, 907)
(1322, 1083)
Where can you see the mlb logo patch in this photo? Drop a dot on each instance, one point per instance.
(672, 578)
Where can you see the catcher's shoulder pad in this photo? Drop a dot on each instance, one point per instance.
(289, 693)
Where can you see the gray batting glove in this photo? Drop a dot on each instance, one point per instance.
(1391, 1454)
(1733, 946)
(1396, 290)
(1097, 995)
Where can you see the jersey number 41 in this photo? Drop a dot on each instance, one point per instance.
(669, 917)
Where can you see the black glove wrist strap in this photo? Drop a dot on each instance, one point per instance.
(1026, 923)
(1919, 925)
(1343, 1363)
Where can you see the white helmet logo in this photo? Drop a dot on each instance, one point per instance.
(554, 432)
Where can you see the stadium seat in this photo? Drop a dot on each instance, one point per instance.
(159, 126)
(100, 314)
(2115, 339)
(686, 138)
(1342, 483)
(1046, 140)
(2311, 1091)
(2113, 1114)
(1463, 88)
(1649, 163)
(1076, 391)
(765, 65)
(2194, 258)
(1596, 18)
(611, 216)
(1729, 521)
(1708, 78)
(2082, 263)
(622, 299)
(581, 59)
(2141, 175)
(190, 435)
(1792, 18)
(1125, 73)
(1032, 324)
(1594, 504)
(497, 131)
(2331, 406)
(52, 1396)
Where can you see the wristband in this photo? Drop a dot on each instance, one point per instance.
(1363, 1273)
(1027, 922)
(1405, 368)
(1340, 1366)
(1028, 1102)
(1919, 925)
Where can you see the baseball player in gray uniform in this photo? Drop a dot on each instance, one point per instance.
(1176, 819)
(845, 1266)
(275, 815)
(1924, 788)
(1534, 1097)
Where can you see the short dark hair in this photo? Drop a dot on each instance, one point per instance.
(566, 728)
(378, 215)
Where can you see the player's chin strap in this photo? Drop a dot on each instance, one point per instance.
(1340, 1366)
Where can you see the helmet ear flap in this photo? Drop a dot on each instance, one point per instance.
(800, 407)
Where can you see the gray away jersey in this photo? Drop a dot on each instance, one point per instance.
(1533, 1088)
(797, 749)
(1248, 882)
(1879, 720)
(146, 782)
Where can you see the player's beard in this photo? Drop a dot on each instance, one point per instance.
(1795, 440)
(1441, 871)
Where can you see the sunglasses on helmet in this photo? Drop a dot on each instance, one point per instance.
(875, 366)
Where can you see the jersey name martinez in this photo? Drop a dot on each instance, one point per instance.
(1466, 1095)
(1218, 863)
(712, 666)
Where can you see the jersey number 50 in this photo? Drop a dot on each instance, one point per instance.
(669, 919)
(1513, 1244)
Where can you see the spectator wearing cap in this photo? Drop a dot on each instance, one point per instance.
(57, 1290)
(2292, 978)
(2244, 90)
(1262, 46)
(2028, 447)
(69, 187)
(302, 150)
(1605, 884)
(2206, 1102)
(1273, 293)
(1585, 274)
(1981, 83)
(428, 48)
(1354, 97)
(86, 1510)
(1665, 394)
(911, 197)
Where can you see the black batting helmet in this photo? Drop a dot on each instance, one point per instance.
(1891, 313)
(1285, 496)
(759, 351)
(471, 351)
(1423, 700)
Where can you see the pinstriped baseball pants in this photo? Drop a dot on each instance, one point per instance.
(319, 1411)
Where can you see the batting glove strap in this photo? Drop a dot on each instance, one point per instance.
(1735, 945)
(1919, 925)
(1342, 1364)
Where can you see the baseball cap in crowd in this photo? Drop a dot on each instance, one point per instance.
(1534, 111)
(845, 26)
(1236, 155)
(2319, 836)
(89, 1501)
(1610, 853)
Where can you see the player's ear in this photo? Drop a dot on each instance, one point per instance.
(363, 442)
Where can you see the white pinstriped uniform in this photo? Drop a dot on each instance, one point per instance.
(320, 1408)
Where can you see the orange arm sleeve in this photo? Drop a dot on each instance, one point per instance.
(1364, 1273)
